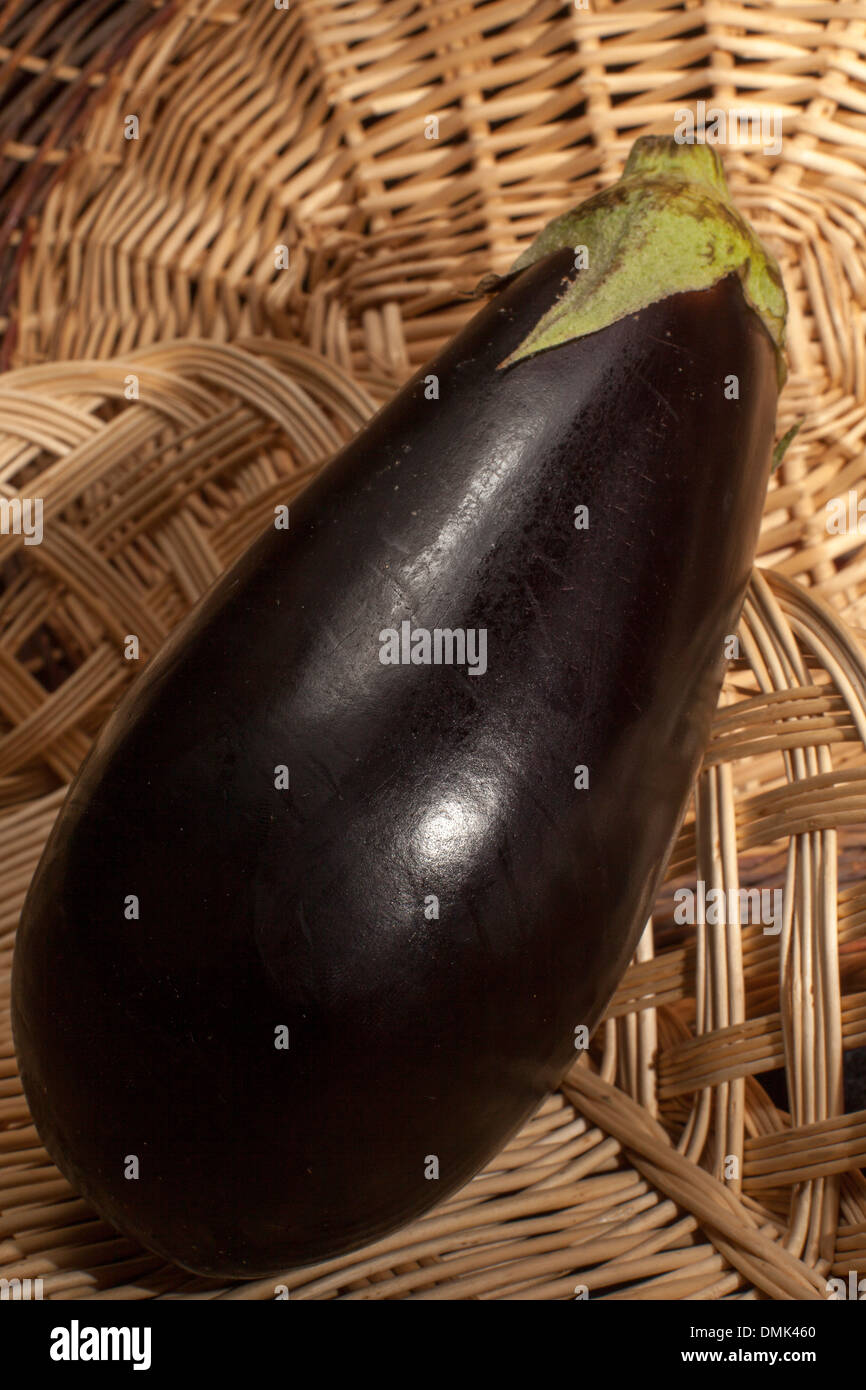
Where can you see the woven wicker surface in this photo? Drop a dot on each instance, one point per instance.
(153, 259)
(55, 57)
(306, 128)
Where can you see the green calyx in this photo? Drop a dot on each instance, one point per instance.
(666, 227)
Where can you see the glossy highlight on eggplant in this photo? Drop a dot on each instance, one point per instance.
(440, 897)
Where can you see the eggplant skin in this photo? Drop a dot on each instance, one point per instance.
(411, 1037)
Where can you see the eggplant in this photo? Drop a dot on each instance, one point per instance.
(367, 846)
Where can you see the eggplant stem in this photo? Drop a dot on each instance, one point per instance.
(668, 226)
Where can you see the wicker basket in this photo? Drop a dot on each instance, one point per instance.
(702, 1149)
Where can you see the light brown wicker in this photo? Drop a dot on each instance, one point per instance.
(306, 128)
(153, 259)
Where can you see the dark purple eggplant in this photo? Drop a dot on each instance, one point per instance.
(310, 1011)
